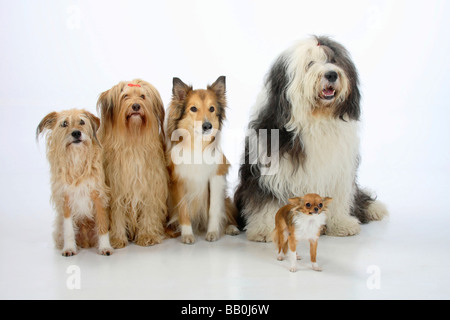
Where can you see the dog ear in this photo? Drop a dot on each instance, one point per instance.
(327, 201)
(296, 201)
(95, 123)
(219, 86)
(159, 110)
(48, 123)
(180, 89)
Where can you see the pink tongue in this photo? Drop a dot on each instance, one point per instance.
(328, 92)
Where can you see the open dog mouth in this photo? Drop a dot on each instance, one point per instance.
(328, 93)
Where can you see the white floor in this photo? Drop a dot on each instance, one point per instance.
(392, 259)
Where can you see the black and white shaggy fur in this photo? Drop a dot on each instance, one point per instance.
(311, 97)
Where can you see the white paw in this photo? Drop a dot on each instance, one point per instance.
(69, 252)
(188, 239)
(344, 227)
(377, 211)
(316, 267)
(293, 269)
(232, 230)
(212, 236)
(107, 251)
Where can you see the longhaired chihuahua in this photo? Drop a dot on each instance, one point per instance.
(79, 193)
(301, 219)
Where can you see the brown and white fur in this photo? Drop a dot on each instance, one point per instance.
(132, 136)
(302, 219)
(197, 166)
(79, 193)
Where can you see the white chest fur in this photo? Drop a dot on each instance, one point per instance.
(80, 201)
(307, 227)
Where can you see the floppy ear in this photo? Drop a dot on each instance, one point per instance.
(180, 89)
(95, 123)
(48, 123)
(219, 86)
(159, 110)
(105, 106)
(296, 201)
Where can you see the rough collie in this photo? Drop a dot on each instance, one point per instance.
(197, 166)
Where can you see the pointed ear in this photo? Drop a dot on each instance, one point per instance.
(296, 201)
(219, 86)
(95, 123)
(48, 123)
(180, 89)
(327, 201)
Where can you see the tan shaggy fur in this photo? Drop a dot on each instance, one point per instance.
(78, 185)
(132, 135)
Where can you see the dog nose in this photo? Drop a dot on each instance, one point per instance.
(136, 107)
(316, 209)
(76, 134)
(206, 126)
(331, 76)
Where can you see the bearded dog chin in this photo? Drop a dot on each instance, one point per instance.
(311, 99)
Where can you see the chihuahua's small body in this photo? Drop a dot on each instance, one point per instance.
(79, 192)
(301, 219)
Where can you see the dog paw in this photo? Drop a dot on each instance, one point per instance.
(377, 211)
(293, 269)
(212, 236)
(316, 267)
(188, 239)
(232, 230)
(259, 238)
(106, 251)
(344, 228)
(69, 252)
(298, 257)
(280, 257)
(118, 243)
(146, 241)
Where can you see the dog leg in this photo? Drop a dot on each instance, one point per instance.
(150, 225)
(118, 232)
(261, 223)
(102, 224)
(339, 222)
(70, 246)
(187, 234)
(292, 253)
(217, 208)
(313, 251)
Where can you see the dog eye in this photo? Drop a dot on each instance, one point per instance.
(310, 65)
(320, 205)
(212, 109)
(143, 97)
(125, 96)
(82, 123)
(64, 124)
(308, 205)
(194, 109)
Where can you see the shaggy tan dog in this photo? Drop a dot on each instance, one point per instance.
(132, 136)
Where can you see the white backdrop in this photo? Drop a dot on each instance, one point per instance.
(61, 54)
